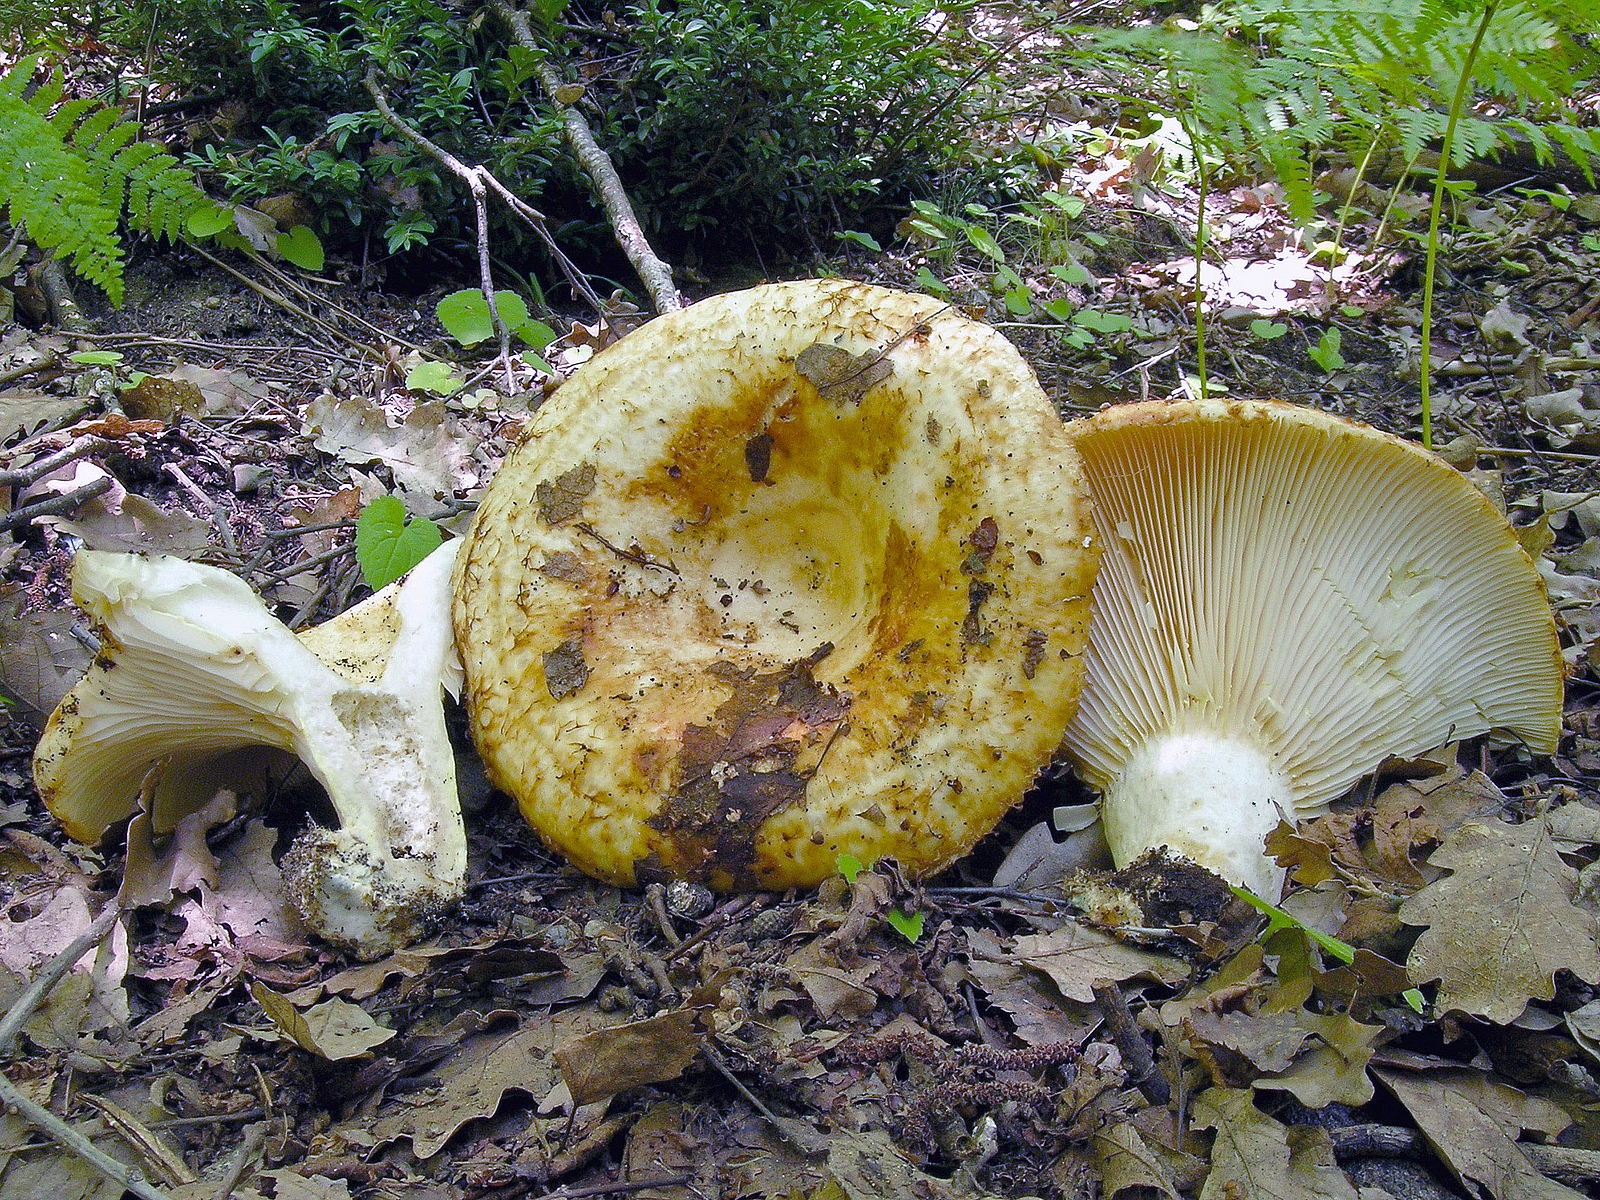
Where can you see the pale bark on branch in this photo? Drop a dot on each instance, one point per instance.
(655, 274)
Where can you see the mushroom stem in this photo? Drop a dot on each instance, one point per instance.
(1210, 797)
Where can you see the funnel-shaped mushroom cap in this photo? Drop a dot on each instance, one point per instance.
(194, 672)
(1285, 598)
(793, 572)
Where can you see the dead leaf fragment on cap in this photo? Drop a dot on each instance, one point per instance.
(562, 499)
(839, 375)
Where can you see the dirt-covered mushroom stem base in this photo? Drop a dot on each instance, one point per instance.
(797, 571)
(1214, 799)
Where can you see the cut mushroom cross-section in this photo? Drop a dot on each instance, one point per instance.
(1286, 598)
(194, 673)
(796, 571)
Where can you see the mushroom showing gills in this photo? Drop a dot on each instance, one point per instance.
(794, 572)
(1286, 598)
(193, 671)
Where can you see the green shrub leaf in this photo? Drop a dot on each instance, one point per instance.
(389, 543)
(301, 247)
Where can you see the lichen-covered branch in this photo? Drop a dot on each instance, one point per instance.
(652, 271)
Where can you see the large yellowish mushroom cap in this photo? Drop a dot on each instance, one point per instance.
(1285, 599)
(796, 571)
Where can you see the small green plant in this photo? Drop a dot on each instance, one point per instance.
(302, 248)
(465, 317)
(1326, 352)
(849, 866)
(73, 172)
(437, 377)
(1268, 331)
(389, 542)
(1278, 919)
(908, 927)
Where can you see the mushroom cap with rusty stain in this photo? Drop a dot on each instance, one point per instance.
(795, 572)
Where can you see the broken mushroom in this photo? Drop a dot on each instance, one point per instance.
(795, 572)
(194, 674)
(1285, 599)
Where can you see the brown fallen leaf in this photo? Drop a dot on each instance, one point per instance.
(138, 526)
(1334, 1068)
(488, 1063)
(1254, 1156)
(840, 376)
(430, 451)
(598, 1065)
(40, 659)
(1126, 1163)
(1470, 1139)
(1502, 923)
(334, 1030)
(1075, 956)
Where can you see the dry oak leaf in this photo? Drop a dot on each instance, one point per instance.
(1472, 1131)
(1254, 1156)
(1074, 956)
(1502, 924)
(1334, 1069)
(1126, 1163)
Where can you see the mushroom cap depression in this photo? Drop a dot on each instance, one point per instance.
(1285, 599)
(794, 572)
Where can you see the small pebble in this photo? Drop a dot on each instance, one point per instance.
(689, 900)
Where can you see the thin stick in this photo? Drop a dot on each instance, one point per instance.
(1141, 1064)
(40, 467)
(779, 1125)
(54, 507)
(254, 1138)
(36, 1114)
(33, 995)
(655, 274)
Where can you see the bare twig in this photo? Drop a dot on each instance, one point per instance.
(56, 505)
(33, 995)
(46, 361)
(255, 1136)
(786, 1129)
(39, 468)
(219, 518)
(286, 304)
(1141, 1064)
(652, 271)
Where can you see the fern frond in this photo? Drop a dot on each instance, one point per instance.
(51, 191)
(70, 172)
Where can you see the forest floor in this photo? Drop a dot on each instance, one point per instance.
(564, 1037)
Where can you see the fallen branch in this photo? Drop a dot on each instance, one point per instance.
(41, 1118)
(478, 180)
(652, 271)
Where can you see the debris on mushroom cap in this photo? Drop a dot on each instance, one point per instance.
(796, 571)
(194, 675)
(1286, 598)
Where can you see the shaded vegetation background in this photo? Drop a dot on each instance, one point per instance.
(1057, 169)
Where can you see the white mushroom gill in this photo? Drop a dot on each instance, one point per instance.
(1286, 598)
(194, 670)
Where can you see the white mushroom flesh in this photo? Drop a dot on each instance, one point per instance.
(194, 669)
